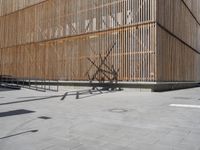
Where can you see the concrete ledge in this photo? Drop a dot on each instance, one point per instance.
(161, 87)
(153, 86)
(142, 86)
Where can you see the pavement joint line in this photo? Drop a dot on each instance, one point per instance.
(185, 106)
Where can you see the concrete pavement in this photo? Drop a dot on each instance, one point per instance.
(125, 120)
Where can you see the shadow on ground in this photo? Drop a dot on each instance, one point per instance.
(31, 100)
(15, 112)
(5, 89)
(21, 133)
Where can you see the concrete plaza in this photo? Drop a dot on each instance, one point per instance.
(124, 120)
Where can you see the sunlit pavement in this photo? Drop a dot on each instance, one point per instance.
(124, 120)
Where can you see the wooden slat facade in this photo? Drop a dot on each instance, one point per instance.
(178, 42)
(52, 39)
(11, 6)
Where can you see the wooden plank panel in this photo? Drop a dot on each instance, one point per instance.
(177, 61)
(178, 36)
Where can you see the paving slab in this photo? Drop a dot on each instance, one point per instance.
(124, 120)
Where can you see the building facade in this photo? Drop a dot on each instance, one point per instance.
(151, 40)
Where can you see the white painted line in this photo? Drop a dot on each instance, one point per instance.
(185, 106)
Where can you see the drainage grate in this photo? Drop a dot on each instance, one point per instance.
(118, 110)
(44, 117)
